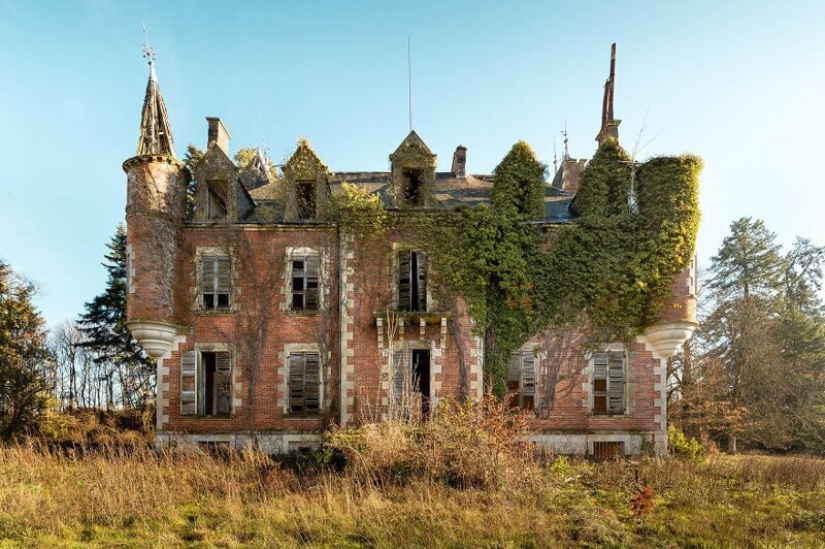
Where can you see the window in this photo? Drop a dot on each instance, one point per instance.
(305, 278)
(413, 194)
(306, 199)
(215, 282)
(521, 380)
(304, 386)
(410, 382)
(412, 281)
(216, 200)
(206, 383)
(608, 382)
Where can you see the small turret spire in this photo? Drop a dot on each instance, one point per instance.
(610, 126)
(155, 131)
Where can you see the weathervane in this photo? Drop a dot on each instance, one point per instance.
(148, 51)
(564, 133)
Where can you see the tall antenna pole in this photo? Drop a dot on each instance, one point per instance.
(409, 76)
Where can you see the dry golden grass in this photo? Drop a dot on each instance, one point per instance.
(406, 485)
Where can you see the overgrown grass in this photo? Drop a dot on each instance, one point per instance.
(109, 497)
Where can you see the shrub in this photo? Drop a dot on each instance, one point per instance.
(681, 446)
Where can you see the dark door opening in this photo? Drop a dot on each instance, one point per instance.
(421, 375)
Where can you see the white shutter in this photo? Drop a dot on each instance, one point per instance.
(528, 373)
(189, 383)
(402, 371)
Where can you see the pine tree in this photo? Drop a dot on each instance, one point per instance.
(104, 327)
(23, 353)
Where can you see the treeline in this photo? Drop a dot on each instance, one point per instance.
(753, 375)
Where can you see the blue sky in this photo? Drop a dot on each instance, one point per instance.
(740, 83)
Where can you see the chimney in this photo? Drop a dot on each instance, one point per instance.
(218, 134)
(460, 162)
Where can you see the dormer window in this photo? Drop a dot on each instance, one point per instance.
(216, 201)
(306, 199)
(412, 187)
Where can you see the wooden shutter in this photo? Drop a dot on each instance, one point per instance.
(297, 370)
(514, 367)
(313, 272)
(189, 383)
(223, 281)
(402, 370)
(312, 383)
(528, 374)
(615, 383)
(600, 383)
(404, 280)
(208, 274)
(421, 287)
(223, 384)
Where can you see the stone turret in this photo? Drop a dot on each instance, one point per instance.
(155, 209)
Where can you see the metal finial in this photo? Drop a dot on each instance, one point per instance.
(148, 51)
(564, 133)
(555, 157)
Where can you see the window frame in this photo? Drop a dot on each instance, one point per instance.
(299, 359)
(194, 379)
(215, 285)
(603, 366)
(306, 291)
(529, 382)
(419, 288)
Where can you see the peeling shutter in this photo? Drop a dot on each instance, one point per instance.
(514, 367)
(402, 371)
(528, 374)
(189, 383)
(208, 281)
(313, 269)
(421, 268)
(600, 383)
(615, 381)
(405, 280)
(312, 383)
(297, 368)
(223, 383)
(223, 282)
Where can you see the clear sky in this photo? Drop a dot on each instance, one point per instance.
(740, 83)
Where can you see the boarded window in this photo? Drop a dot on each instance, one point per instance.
(304, 385)
(608, 383)
(521, 380)
(305, 283)
(215, 282)
(306, 199)
(412, 281)
(603, 450)
(206, 383)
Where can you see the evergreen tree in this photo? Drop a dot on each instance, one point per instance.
(104, 327)
(23, 353)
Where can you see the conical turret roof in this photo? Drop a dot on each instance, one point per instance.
(155, 131)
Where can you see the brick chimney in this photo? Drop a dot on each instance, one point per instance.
(218, 134)
(460, 162)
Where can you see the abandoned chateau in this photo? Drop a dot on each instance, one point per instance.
(271, 317)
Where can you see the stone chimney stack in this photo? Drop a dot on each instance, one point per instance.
(460, 162)
(218, 134)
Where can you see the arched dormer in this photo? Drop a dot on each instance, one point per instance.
(306, 185)
(413, 173)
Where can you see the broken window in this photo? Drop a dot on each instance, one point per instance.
(306, 199)
(305, 283)
(206, 383)
(216, 200)
(412, 281)
(413, 192)
(304, 386)
(521, 380)
(215, 282)
(410, 389)
(608, 382)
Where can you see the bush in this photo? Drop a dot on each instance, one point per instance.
(680, 446)
(476, 444)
